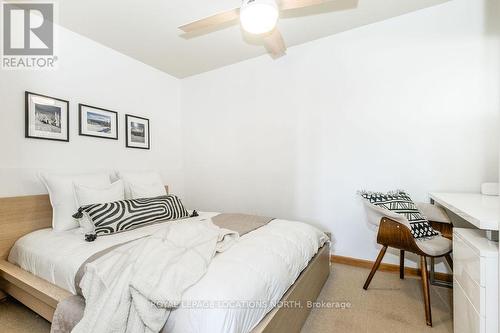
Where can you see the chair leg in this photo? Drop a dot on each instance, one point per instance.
(449, 260)
(425, 289)
(401, 264)
(375, 267)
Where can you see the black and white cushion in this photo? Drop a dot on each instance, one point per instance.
(112, 217)
(400, 202)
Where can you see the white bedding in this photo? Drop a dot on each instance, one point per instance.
(260, 267)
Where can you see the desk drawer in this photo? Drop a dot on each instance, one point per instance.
(475, 278)
(465, 319)
(466, 262)
(474, 292)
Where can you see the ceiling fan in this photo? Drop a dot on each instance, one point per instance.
(257, 17)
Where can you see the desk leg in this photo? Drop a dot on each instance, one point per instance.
(432, 277)
(492, 235)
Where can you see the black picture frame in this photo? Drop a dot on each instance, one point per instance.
(128, 143)
(80, 123)
(28, 120)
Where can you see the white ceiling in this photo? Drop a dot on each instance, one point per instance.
(147, 30)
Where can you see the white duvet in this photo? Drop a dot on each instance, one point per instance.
(240, 286)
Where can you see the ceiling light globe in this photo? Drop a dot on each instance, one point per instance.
(259, 16)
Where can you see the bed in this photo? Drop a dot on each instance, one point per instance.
(43, 264)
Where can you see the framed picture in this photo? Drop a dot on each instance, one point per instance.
(97, 122)
(46, 117)
(136, 132)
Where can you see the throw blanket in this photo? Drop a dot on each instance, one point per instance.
(133, 288)
(70, 311)
(241, 223)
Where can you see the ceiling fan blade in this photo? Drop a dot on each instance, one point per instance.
(211, 21)
(294, 4)
(275, 44)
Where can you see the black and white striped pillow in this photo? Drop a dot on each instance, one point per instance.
(401, 203)
(112, 217)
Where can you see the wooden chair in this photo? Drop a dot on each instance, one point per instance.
(394, 231)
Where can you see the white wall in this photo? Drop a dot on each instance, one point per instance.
(409, 103)
(89, 73)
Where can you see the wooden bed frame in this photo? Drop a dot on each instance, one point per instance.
(22, 215)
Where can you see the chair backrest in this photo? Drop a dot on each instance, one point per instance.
(376, 213)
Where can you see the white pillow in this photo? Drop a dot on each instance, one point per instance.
(138, 191)
(62, 199)
(139, 178)
(87, 195)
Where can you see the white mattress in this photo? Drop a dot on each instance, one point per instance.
(260, 267)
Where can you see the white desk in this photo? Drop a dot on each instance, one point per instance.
(475, 282)
(475, 261)
(483, 211)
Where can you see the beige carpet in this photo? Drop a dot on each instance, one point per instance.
(390, 305)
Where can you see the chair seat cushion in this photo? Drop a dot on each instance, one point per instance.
(436, 246)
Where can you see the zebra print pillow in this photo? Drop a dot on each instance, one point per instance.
(112, 217)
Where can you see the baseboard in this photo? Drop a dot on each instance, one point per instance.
(386, 267)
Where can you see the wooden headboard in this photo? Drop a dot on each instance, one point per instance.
(20, 216)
